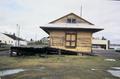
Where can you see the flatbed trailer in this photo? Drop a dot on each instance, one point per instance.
(27, 51)
(41, 51)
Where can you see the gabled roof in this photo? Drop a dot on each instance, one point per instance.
(14, 37)
(74, 15)
(70, 26)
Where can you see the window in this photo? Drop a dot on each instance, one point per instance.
(5, 42)
(70, 40)
(71, 20)
(68, 20)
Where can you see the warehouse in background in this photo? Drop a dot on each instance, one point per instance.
(100, 44)
(11, 40)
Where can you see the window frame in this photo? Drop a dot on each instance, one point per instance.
(71, 20)
(71, 40)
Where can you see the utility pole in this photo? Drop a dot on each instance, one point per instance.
(35, 35)
(81, 9)
(18, 32)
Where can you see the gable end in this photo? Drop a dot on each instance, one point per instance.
(68, 17)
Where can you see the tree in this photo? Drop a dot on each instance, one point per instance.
(103, 38)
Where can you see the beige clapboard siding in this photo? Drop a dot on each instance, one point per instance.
(84, 40)
(57, 40)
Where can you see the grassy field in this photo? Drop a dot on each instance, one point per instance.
(59, 67)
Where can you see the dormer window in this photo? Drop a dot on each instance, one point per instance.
(71, 20)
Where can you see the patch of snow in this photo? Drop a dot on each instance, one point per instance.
(110, 60)
(93, 69)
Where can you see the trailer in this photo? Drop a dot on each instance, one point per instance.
(27, 51)
(41, 51)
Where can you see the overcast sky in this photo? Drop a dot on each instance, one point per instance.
(30, 14)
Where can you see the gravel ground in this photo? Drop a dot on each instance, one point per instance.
(107, 53)
(4, 53)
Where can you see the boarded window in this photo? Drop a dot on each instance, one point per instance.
(70, 40)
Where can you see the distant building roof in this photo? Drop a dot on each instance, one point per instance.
(14, 37)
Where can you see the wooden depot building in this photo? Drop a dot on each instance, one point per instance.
(72, 33)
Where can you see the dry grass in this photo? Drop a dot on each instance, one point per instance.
(59, 67)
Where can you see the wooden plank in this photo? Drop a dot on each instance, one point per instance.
(57, 40)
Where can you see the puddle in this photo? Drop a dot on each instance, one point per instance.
(117, 68)
(10, 72)
(110, 60)
(115, 73)
(15, 71)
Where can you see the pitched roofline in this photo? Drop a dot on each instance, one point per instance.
(70, 14)
(13, 37)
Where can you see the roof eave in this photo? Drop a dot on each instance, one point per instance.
(46, 29)
(43, 28)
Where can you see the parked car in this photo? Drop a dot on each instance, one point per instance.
(117, 49)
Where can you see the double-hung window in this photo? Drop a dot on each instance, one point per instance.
(70, 39)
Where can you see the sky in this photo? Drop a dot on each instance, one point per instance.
(30, 14)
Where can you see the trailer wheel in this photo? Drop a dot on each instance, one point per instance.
(13, 53)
